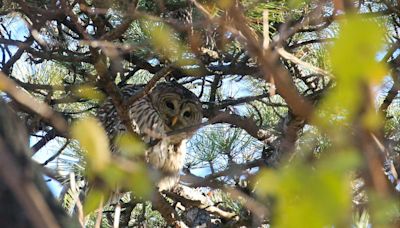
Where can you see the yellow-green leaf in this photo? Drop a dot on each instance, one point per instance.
(89, 92)
(355, 65)
(140, 182)
(129, 145)
(354, 54)
(167, 43)
(93, 200)
(320, 193)
(225, 4)
(93, 139)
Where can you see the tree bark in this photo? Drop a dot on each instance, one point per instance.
(24, 197)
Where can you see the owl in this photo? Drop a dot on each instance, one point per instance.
(155, 117)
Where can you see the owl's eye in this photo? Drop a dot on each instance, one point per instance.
(187, 114)
(170, 105)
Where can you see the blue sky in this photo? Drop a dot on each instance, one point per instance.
(41, 156)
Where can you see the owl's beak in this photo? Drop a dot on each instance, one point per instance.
(174, 120)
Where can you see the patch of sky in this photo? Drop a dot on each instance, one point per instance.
(212, 144)
(154, 62)
(54, 186)
(46, 152)
(50, 149)
(17, 30)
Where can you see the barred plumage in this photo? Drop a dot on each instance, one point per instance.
(168, 107)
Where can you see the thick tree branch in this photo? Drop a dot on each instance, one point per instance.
(23, 189)
(248, 124)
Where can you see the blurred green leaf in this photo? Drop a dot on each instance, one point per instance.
(93, 200)
(225, 4)
(89, 92)
(129, 145)
(355, 65)
(320, 193)
(167, 43)
(93, 139)
(383, 210)
(128, 175)
(140, 182)
(294, 4)
(113, 175)
(354, 54)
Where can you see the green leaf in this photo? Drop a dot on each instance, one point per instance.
(320, 193)
(354, 54)
(89, 92)
(354, 63)
(384, 210)
(294, 4)
(225, 4)
(93, 201)
(167, 43)
(129, 145)
(93, 139)
(140, 182)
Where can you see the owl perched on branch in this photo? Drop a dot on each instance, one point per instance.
(155, 117)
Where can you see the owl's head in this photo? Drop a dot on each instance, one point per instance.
(178, 107)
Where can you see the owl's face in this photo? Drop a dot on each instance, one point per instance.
(177, 106)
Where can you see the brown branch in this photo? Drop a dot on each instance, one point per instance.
(23, 190)
(43, 141)
(127, 21)
(188, 197)
(27, 101)
(250, 203)
(267, 61)
(56, 154)
(374, 158)
(237, 101)
(80, 29)
(214, 87)
(282, 52)
(49, 55)
(307, 42)
(235, 169)
(14, 42)
(247, 124)
(392, 93)
(51, 88)
(392, 49)
(150, 84)
(22, 47)
(168, 213)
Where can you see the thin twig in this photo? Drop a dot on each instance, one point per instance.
(282, 52)
(56, 154)
(43, 141)
(150, 84)
(117, 215)
(75, 198)
(99, 214)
